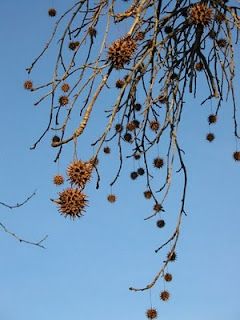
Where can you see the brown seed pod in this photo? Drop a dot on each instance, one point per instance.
(118, 127)
(139, 36)
(52, 12)
(200, 13)
(58, 179)
(72, 203)
(212, 118)
(151, 313)
(160, 223)
(28, 85)
(106, 150)
(168, 277)
(236, 155)
(158, 163)
(79, 172)
(73, 45)
(168, 29)
(157, 207)
(121, 51)
(137, 106)
(141, 171)
(220, 17)
(111, 198)
(147, 194)
(134, 175)
(137, 156)
(120, 83)
(65, 87)
(154, 125)
(172, 256)
(212, 34)
(199, 66)
(131, 126)
(92, 32)
(222, 43)
(128, 137)
(63, 100)
(210, 137)
(164, 295)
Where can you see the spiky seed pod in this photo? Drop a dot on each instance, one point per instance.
(118, 127)
(160, 223)
(55, 139)
(222, 43)
(79, 172)
(157, 207)
(134, 175)
(212, 34)
(137, 106)
(52, 12)
(120, 83)
(106, 150)
(220, 17)
(58, 179)
(141, 171)
(212, 118)
(72, 203)
(92, 32)
(164, 295)
(168, 29)
(73, 45)
(236, 155)
(200, 13)
(147, 194)
(210, 137)
(128, 137)
(172, 256)
(174, 76)
(137, 156)
(131, 126)
(151, 313)
(139, 36)
(111, 198)
(28, 85)
(63, 100)
(154, 125)
(136, 123)
(199, 66)
(121, 51)
(158, 163)
(168, 277)
(65, 87)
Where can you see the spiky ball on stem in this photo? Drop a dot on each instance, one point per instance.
(164, 295)
(80, 172)
(151, 313)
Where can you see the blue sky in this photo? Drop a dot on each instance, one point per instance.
(88, 264)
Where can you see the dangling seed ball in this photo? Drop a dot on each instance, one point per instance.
(137, 106)
(168, 29)
(73, 45)
(63, 100)
(157, 207)
(55, 139)
(158, 163)
(151, 313)
(168, 277)
(134, 175)
(58, 180)
(210, 137)
(107, 150)
(131, 126)
(65, 87)
(119, 83)
(92, 32)
(200, 13)
(111, 198)
(80, 172)
(172, 256)
(28, 85)
(137, 156)
(212, 34)
(160, 223)
(212, 118)
(236, 155)
(154, 125)
(199, 66)
(140, 36)
(141, 171)
(128, 137)
(147, 194)
(72, 203)
(222, 43)
(118, 127)
(220, 17)
(52, 12)
(164, 295)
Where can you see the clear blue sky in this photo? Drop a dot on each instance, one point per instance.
(88, 264)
